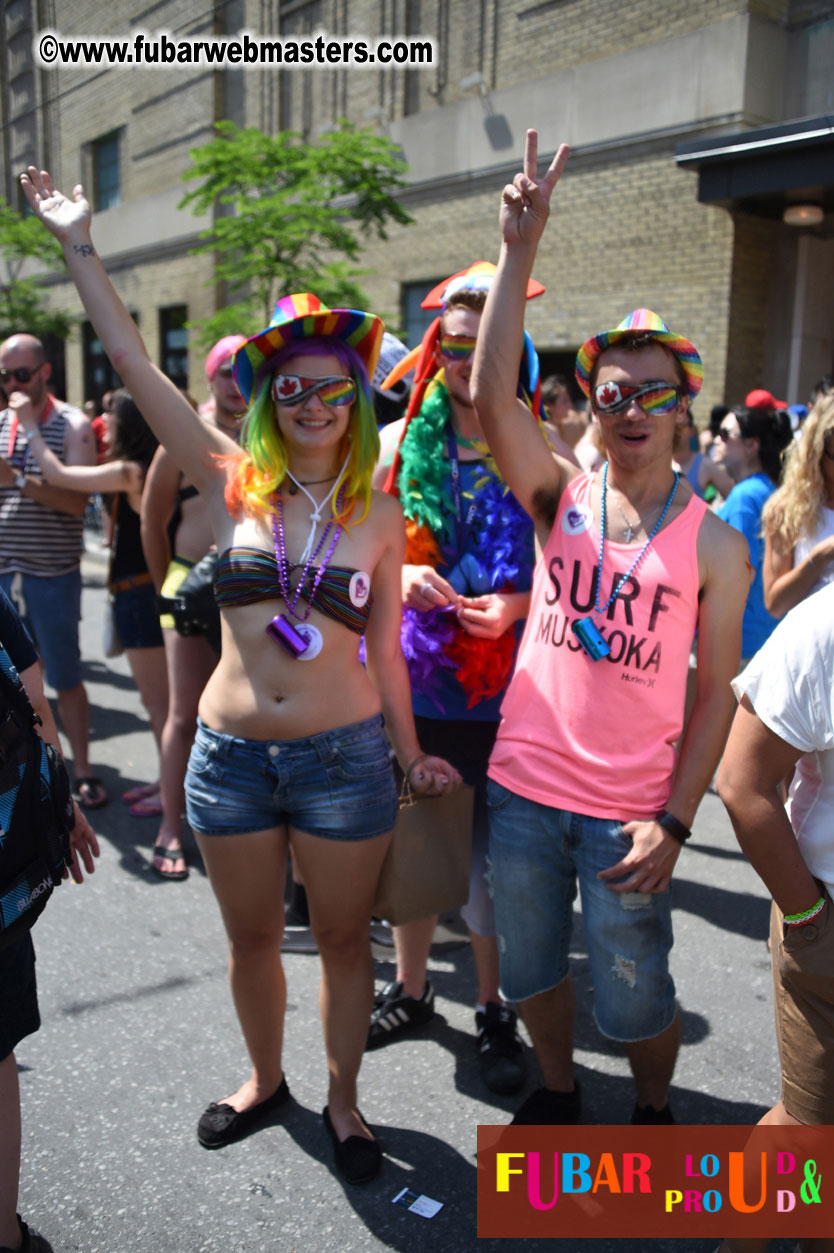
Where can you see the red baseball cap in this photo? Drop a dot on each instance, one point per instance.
(761, 399)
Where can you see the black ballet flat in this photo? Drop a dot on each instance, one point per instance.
(357, 1160)
(221, 1124)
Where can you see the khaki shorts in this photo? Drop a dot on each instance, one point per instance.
(803, 1002)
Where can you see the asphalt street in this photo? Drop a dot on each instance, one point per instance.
(139, 1034)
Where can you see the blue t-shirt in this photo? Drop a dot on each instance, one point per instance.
(743, 510)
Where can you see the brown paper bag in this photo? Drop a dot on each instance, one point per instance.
(426, 868)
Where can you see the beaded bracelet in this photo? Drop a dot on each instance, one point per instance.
(674, 826)
(799, 920)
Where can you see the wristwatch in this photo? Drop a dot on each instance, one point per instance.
(20, 481)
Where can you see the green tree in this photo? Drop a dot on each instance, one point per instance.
(22, 306)
(290, 216)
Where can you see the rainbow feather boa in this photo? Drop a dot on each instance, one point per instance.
(499, 537)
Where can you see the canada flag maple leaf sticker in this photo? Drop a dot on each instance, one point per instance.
(609, 394)
(288, 385)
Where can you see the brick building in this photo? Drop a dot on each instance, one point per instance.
(693, 128)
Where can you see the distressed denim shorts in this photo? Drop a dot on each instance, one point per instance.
(337, 784)
(537, 856)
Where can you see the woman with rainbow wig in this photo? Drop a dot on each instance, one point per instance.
(290, 749)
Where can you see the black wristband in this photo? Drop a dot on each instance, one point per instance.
(674, 826)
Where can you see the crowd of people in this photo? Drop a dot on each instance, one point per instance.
(495, 590)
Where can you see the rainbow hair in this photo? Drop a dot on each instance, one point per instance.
(260, 470)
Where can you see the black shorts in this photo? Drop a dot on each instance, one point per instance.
(19, 1014)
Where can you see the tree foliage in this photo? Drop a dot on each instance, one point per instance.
(290, 216)
(22, 303)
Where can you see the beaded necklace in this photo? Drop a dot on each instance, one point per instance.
(304, 640)
(586, 629)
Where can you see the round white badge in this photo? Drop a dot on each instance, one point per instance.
(314, 641)
(576, 519)
(360, 588)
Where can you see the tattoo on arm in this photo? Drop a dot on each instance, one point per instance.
(84, 250)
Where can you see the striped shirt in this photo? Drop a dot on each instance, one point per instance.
(34, 538)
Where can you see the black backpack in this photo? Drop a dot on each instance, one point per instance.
(36, 811)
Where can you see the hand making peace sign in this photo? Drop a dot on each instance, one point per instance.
(525, 203)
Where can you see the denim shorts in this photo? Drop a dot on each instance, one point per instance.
(337, 784)
(137, 622)
(537, 856)
(51, 609)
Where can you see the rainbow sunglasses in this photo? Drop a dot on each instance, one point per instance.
(457, 347)
(294, 389)
(655, 397)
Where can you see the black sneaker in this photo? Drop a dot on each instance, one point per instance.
(500, 1051)
(648, 1116)
(545, 1108)
(33, 1242)
(395, 1014)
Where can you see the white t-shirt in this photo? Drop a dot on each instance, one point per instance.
(804, 544)
(790, 684)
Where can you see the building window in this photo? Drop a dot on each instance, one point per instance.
(416, 320)
(173, 343)
(99, 375)
(107, 183)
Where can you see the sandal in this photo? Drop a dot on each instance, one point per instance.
(89, 792)
(169, 855)
(146, 807)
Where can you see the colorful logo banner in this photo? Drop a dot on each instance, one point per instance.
(591, 1182)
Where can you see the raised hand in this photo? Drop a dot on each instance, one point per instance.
(21, 404)
(64, 218)
(525, 203)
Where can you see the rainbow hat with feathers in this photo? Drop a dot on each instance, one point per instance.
(303, 316)
(641, 321)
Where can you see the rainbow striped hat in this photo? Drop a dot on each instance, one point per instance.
(303, 316)
(641, 320)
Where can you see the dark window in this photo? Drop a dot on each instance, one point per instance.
(173, 343)
(415, 319)
(107, 181)
(99, 375)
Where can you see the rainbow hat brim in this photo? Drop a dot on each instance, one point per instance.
(303, 316)
(476, 277)
(637, 322)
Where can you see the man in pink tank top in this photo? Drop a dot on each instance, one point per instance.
(591, 783)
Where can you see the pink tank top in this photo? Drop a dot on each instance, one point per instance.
(598, 737)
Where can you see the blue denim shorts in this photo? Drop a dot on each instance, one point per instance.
(51, 609)
(537, 856)
(338, 784)
(137, 621)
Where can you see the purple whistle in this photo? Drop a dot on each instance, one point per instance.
(282, 630)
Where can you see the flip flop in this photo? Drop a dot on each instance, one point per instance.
(148, 807)
(89, 792)
(139, 793)
(170, 855)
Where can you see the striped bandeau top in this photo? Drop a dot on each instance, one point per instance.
(246, 576)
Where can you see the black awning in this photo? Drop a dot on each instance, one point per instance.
(762, 170)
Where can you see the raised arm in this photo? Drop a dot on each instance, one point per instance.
(534, 475)
(191, 442)
(112, 476)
